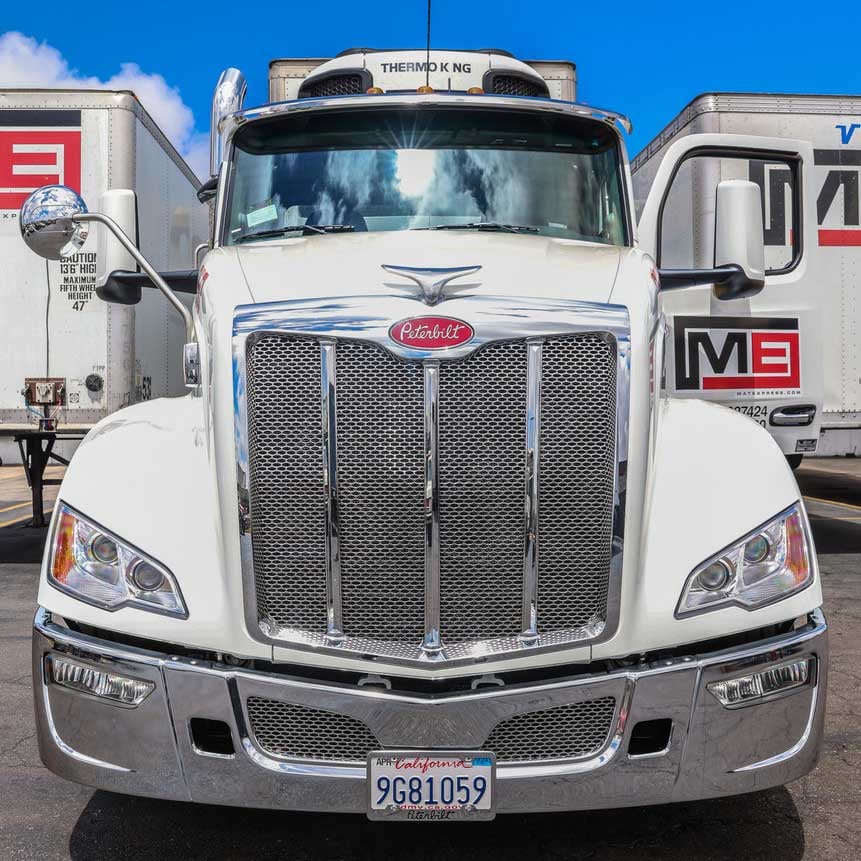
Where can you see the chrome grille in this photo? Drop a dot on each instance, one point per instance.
(380, 493)
(291, 731)
(576, 481)
(288, 508)
(342, 549)
(564, 732)
(482, 426)
(336, 85)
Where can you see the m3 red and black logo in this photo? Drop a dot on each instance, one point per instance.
(38, 148)
(737, 354)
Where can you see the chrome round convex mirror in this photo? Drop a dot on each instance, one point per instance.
(47, 222)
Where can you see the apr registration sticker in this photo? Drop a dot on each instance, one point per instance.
(737, 356)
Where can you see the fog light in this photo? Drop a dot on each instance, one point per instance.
(746, 689)
(118, 689)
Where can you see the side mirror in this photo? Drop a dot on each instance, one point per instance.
(54, 223)
(739, 237)
(48, 222)
(739, 261)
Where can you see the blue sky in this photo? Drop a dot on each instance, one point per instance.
(644, 59)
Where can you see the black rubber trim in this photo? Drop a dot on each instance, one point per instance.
(124, 288)
(730, 281)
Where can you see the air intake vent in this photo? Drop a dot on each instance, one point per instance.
(514, 85)
(340, 84)
(564, 732)
(291, 731)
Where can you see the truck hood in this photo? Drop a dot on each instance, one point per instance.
(351, 265)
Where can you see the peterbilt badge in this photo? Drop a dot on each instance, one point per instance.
(431, 333)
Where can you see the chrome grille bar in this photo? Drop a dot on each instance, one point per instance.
(432, 644)
(328, 389)
(529, 634)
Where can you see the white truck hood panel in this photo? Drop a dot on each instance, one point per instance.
(511, 265)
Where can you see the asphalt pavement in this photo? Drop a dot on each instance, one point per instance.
(818, 817)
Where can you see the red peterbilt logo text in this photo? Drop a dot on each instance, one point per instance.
(431, 333)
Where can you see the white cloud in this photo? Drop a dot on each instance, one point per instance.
(24, 62)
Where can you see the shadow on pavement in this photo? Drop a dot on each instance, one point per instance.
(21, 544)
(762, 825)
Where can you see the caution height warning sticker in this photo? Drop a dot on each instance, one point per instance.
(78, 281)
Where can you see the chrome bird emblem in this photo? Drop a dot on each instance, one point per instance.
(431, 281)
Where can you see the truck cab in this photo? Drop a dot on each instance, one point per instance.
(429, 537)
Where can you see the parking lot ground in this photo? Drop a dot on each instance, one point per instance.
(818, 817)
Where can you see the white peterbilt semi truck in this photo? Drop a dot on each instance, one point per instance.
(428, 538)
(69, 358)
(810, 313)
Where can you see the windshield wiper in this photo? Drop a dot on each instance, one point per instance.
(304, 228)
(483, 225)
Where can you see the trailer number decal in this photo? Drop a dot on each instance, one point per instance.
(737, 354)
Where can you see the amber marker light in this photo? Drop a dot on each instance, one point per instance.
(64, 548)
(475, 91)
(374, 91)
(424, 89)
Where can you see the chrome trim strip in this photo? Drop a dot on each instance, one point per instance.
(67, 749)
(529, 633)
(493, 318)
(432, 644)
(329, 417)
(792, 751)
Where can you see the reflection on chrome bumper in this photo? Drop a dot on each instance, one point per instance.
(148, 749)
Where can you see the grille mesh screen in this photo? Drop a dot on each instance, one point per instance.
(578, 428)
(288, 506)
(381, 492)
(564, 732)
(287, 730)
(510, 85)
(482, 431)
(337, 85)
(380, 434)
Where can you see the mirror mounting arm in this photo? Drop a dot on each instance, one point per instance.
(144, 264)
(730, 282)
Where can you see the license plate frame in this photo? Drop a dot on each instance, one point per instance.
(381, 763)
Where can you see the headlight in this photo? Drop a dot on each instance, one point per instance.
(94, 565)
(768, 564)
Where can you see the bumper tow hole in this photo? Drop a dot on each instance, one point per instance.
(211, 737)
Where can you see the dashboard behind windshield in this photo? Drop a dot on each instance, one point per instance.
(408, 168)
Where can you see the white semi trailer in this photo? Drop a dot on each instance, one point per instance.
(809, 315)
(427, 539)
(70, 359)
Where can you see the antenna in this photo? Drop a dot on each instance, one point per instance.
(427, 59)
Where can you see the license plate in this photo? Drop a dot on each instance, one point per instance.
(423, 786)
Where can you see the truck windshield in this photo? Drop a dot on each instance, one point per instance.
(374, 169)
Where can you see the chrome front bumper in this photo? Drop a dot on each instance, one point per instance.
(148, 750)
